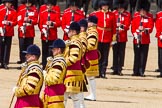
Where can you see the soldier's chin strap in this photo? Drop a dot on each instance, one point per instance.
(32, 66)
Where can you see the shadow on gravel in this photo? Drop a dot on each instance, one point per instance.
(132, 70)
(114, 101)
(140, 78)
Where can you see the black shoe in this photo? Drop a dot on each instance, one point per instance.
(19, 62)
(159, 76)
(141, 74)
(120, 73)
(135, 74)
(98, 76)
(157, 70)
(89, 99)
(1, 66)
(112, 68)
(114, 73)
(19, 68)
(103, 76)
(5, 66)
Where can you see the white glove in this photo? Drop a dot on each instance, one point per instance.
(14, 88)
(135, 36)
(44, 32)
(1, 31)
(160, 37)
(119, 29)
(22, 29)
(27, 24)
(4, 22)
(113, 42)
(67, 29)
(24, 64)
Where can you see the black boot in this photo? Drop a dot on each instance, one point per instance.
(5, 66)
(1, 66)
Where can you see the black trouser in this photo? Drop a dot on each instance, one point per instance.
(85, 5)
(23, 44)
(159, 57)
(133, 4)
(103, 61)
(140, 58)
(5, 49)
(160, 60)
(46, 51)
(118, 56)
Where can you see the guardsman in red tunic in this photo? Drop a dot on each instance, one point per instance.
(49, 21)
(27, 18)
(106, 27)
(92, 56)
(74, 78)
(158, 26)
(2, 5)
(21, 6)
(55, 7)
(123, 20)
(71, 14)
(8, 20)
(54, 75)
(142, 26)
(31, 80)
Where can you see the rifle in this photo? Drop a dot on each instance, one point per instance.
(24, 25)
(139, 34)
(4, 27)
(48, 19)
(118, 28)
(72, 16)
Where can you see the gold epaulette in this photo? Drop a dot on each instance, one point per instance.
(83, 38)
(92, 38)
(73, 51)
(56, 73)
(31, 80)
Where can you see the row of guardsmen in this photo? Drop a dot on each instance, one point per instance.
(112, 29)
(72, 66)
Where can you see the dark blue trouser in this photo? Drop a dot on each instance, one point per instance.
(103, 61)
(23, 44)
(160, 59)
(118, 56)
(140, 58)
(5, 49)
(46, 51)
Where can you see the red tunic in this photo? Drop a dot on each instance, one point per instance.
(44, 7)
(148, 23)
(11, 17)
(158, 26)
(106, 25)
(54, 17)
(66, 19)
(125, 20)
(32, 15)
